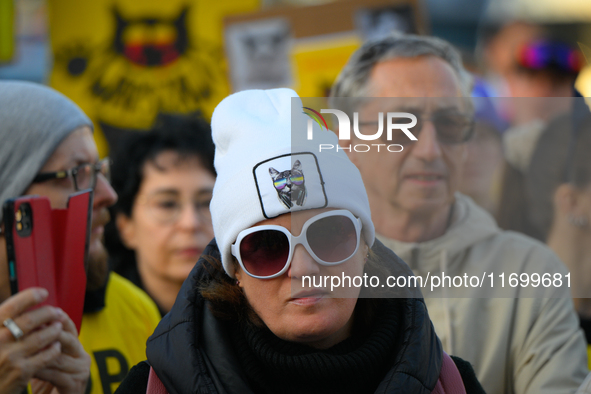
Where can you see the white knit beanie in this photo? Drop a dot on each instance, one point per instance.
(260, 137)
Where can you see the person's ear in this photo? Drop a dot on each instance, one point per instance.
(238, 276)
(565, 199)
(127, 230)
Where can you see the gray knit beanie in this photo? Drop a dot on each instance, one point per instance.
(34, 120)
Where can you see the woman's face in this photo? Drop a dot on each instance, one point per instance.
(310, 316)
(170, 223)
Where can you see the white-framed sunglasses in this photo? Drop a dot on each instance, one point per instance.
(266, 251)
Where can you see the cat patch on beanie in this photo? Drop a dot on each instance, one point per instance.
(288, 183)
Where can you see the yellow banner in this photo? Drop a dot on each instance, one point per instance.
(319, 60)
(124, 61)
(6, 30)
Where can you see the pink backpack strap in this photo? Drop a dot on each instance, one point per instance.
(155, 386)
(450, 380)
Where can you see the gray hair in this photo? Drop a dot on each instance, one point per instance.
(353, 79)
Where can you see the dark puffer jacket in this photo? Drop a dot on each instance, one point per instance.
(191, 350)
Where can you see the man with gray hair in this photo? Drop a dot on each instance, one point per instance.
(516, 344)
(48, 150)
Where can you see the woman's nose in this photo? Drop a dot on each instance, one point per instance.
(302, 264)
(189, 218)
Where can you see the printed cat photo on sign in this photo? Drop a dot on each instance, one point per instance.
(290, 185)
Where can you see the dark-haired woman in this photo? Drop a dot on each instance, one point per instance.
(164, 179)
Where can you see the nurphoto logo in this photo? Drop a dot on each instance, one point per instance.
(344, 129)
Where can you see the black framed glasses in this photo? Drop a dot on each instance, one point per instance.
(452, 127)
(84, 176)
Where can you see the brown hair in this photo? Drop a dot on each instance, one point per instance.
(227, 300)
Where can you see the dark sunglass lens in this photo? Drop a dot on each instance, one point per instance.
(452, 128)
(264, 253)
(398, 136)
(332, 238)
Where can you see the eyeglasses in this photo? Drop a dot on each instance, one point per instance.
(84, 176)
(451, 127)
(166, 208)
(265, 252)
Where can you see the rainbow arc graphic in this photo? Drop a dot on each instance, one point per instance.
(316, 116)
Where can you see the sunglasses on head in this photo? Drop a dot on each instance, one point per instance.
(282, 182)
(543, 54)
(266, 251)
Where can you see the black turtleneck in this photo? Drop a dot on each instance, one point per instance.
(358, 364)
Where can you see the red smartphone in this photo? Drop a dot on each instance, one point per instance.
(48, 248)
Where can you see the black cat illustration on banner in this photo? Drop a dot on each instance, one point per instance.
(290, 185)
(146, 63)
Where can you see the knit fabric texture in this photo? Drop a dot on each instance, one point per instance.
(34, 120)
(355, 365)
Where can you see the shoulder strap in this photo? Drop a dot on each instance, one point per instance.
(450, 380)
(155, 386)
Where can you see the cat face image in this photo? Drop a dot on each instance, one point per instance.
(142, 63)
(151, 41)
(290, 185)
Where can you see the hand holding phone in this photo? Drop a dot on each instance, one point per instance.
(48, 248)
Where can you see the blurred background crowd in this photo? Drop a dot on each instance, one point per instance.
(124, 62)
(150, 73)
(135, 66)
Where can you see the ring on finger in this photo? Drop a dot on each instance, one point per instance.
(14, 329)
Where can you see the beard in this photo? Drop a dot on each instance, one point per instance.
(98, 258)
(98, 269)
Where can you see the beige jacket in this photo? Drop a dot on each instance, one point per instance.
(516, 345)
